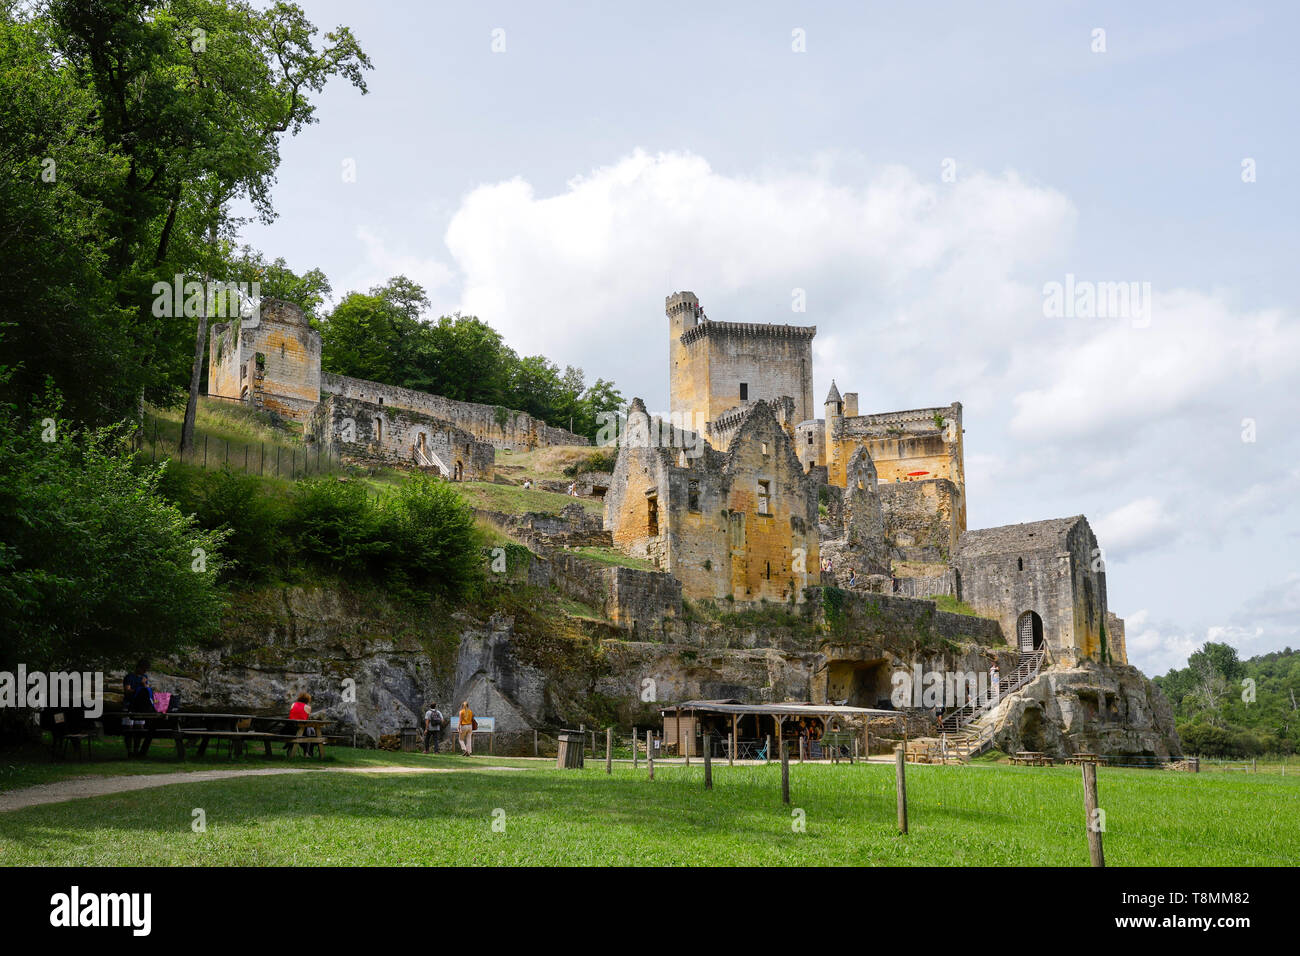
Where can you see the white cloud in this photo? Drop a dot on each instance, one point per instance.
(581, 275)
(378, 264)
(1140, 525)
(1197, 353)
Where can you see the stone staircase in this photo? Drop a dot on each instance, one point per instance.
(965, 732)
(428, 458)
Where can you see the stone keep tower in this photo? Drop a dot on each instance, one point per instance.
(716, 368)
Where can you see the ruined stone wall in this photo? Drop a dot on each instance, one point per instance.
(901, 444)
(923, 519)
(926, 586)
(865, 529)
(501, 428)
(353, 427)
(291, 382)
(810, 443)
(709, 529)
(1115, 639)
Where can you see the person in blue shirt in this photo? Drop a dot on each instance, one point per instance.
(137, 695)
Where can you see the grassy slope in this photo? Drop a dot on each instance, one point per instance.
(959, 816)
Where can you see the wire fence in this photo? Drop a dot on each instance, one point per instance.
(160, 439)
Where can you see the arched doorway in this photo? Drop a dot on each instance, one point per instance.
(1029, 632)
(460, 471)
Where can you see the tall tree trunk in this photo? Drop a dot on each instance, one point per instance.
(200, 341)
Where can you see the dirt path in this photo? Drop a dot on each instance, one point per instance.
(79, 787)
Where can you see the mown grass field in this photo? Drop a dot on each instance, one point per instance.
(976, 815)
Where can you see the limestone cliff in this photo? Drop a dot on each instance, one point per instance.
(1092, 708)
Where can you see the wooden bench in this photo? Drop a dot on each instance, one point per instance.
(236, 739)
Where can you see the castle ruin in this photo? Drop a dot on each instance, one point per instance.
(273, 363)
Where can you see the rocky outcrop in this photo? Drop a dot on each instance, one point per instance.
(1091, 708)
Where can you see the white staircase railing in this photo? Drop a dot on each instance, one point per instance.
(429, 459)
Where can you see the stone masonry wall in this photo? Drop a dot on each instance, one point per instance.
(501, 428)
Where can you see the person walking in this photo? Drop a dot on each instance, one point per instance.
(433, 728)
(467, 725)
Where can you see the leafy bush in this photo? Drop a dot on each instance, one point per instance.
(601, 461)
(334, 524)
(432, 543)
(96, 567)
(241, 505)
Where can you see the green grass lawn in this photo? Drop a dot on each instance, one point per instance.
(612, 556)
(514, 499)
(987, 815)
(32, 766)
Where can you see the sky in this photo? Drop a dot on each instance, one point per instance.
(927, 179)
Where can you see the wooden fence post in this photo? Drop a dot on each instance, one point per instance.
(650, 754)
(785, 774)
(534, 743)
(634, 751)
(609, 750)
(1092, 818)
(708, 762)
(767, 750)
(900, 781)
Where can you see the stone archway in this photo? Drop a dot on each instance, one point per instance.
(1029, 632)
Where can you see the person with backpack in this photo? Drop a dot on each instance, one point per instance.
(432, 728)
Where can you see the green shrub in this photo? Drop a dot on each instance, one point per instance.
(431, 541)
(243, 506)
(335, 525)
(602, 461)
(95, 565)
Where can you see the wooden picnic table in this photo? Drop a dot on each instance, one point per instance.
(1032, 758)
(236, 730)
(1082, 758)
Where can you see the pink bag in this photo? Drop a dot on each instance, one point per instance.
(161, 701)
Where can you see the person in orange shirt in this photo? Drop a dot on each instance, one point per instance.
(466, 729)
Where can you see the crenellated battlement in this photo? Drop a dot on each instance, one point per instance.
(707, 327)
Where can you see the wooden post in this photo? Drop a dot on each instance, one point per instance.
(900, 780)
(1091, 818)
(767, 750)
(854, 758)
(785, 774)
(634, 752)
(708, 762)
(609, 750)
(582, 729)
(677, 732)
(731, 757)
(1254, 765)
(650, 754)
(534, 743)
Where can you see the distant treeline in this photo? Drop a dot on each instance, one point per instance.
(1227, 707)
(379, 335)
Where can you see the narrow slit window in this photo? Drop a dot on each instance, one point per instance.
(764, 497)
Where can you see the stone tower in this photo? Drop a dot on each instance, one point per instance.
(834, 416)
(719, 370)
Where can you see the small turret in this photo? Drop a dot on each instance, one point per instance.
(833, 399)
